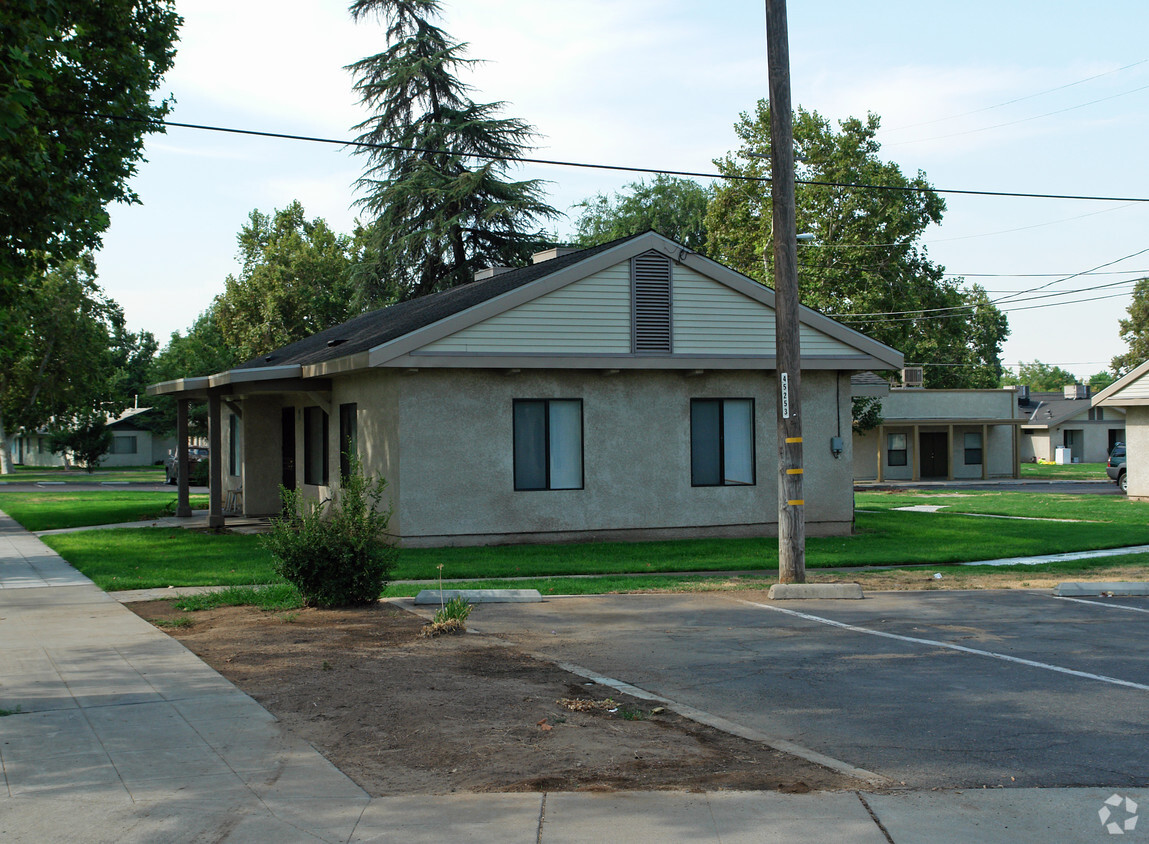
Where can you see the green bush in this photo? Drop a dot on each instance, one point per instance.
(336, 552)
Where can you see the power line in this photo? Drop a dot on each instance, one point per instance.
(1017, 99)
(614, 167)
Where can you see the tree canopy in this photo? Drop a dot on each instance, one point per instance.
(200, 351)
(1040, 377)
(1134, 330)
(61, 163)
(437, 182)
(673, 207)
(295, 281)
(57, 356)
(865, 266)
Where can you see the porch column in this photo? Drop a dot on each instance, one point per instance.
(183, 503)
(1016, 451)
(881, 448)
(215, 452)
(985, 452)
(916, 474)
(949, 452)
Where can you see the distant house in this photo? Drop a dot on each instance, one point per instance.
(132, 444)
(1068, 420)
(626, 391)
(1130, 393)
(939, 435)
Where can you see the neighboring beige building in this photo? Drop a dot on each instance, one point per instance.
(626, 391)
(132, 445)
(1131, 394)
(1068, 420)
(940, 435)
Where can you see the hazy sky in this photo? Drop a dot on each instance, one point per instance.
(1026, 97)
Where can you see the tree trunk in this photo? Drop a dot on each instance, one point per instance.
(5, 457)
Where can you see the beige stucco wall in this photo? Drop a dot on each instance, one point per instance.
(1137, 451)
(455, 484)
(1042, 445)
(950, 404)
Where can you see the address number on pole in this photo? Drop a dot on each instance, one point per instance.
(785, 395)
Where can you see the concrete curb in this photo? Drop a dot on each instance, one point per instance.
(481, 596)
(803, 591)
(1096, 590)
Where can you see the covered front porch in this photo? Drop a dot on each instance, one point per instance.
(253, 444)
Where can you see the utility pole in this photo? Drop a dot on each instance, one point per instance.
(788, 352)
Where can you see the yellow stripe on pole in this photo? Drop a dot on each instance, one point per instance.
(798, 502)
(793, 439)
(793, 471)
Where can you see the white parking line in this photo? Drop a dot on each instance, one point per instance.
(1100, 604)
(961, 648)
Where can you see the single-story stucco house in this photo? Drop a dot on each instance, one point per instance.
(1131, 394)
(624, 391)
(1069, 420)
(132, 444)
(930, 434)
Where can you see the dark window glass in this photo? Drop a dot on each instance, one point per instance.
(348, 437)
(896, 451)
(548, 444)
(722, 442)
(314, 446)
(233, 445)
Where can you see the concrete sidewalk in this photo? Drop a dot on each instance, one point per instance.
(120, 734)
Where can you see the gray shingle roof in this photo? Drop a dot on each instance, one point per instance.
(374, 328)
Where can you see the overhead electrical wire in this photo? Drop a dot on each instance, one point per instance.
(614, 167)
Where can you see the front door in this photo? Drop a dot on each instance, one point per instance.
(288, 427)
(933, 460)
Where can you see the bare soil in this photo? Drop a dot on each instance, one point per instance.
(402, 714)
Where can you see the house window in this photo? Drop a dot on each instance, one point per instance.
(232, 444)
(973, 449)
(721, 442)
(123, 445)
(348, 437)
(548, 444)
(314, 446)
(650, 303)
(896, 450)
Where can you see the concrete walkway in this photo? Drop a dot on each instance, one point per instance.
(114, 732)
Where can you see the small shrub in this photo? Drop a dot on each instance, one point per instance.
(451, 618)
(337, 552)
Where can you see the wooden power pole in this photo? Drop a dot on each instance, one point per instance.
(791, 501)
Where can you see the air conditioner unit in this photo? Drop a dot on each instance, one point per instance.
(912, 376)
(1076, 391)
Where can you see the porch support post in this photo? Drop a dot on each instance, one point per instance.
(950, 452)
(183, 502)
(916, 474)
(985, 452)
(215, 451)
(881, 448)
(1016, 451)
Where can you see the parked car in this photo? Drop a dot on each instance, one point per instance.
(1115, 468)
(196, 454)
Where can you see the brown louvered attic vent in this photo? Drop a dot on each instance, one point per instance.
(650, 303)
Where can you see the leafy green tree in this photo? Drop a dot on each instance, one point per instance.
(55, 356)
(436, 183)
(675, 208)
(295, 281)
(61, 163)
(200, 351)
(1040, 377)
(1101, 380)
(87, 439)
(1134, 330)
(865, 266)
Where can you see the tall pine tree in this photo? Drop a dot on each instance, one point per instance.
(436, 183)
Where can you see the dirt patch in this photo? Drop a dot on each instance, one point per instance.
(402, 714)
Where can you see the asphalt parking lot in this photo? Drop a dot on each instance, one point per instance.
(933, 689)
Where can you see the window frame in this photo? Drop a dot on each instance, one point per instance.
(233, 445)
(310, 434)
(547, 445)
(903, 460)
(118, 441)
(973, 451)
(721, 403)
(348, 436)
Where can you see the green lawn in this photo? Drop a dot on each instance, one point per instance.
(42, 474)
(1068, 472)
(53, 509)
(128, 559)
